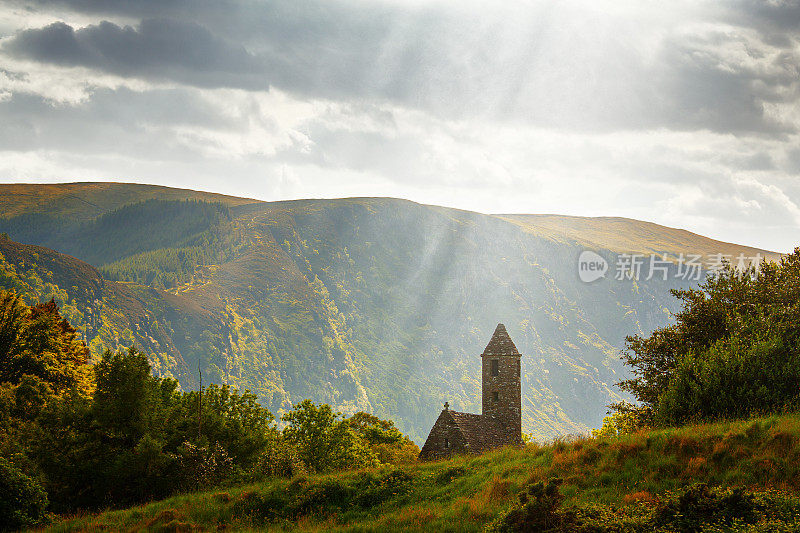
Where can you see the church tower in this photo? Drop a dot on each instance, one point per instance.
(502, 386)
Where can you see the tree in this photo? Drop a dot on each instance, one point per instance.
(37, 341)
(383, 439)
(125, 393)
(733, 352)
(323, 440)
(235, 420)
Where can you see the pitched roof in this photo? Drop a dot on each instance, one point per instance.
(481, 432)
(500, 343)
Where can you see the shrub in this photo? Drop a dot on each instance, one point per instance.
(447, 476)
(539, 510)
(700, 506)
(324, 496)
(279, 460)
(203, 466)
(22, 499)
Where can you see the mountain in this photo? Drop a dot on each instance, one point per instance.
(108, 314)
(626, 235)
(364, 303)
(85, 201)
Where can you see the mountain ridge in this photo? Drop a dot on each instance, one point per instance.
(376, 304)
(10, 194)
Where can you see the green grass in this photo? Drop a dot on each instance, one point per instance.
(619, 479)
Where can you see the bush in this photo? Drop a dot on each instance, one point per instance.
(699, 506)
(324, 496)
(735, 378)
(447, 476)
(203, 466)
(539, 510)
(22, 500)
(279, 460)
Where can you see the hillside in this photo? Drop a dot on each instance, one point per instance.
(108, 314)
(365, 303)
(625, 235)
(85, 201)
(626, 483)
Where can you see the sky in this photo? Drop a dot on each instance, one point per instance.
(684, 113)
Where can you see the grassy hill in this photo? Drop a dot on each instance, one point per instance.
(625, 235)
(85, 201)
(364, 303)
(628, 483)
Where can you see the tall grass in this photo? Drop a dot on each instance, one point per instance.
(634, 471)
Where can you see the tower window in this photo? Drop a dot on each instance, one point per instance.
(495, 396)
(495, 367)
(446, 443)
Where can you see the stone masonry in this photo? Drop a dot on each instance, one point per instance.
(501, 421)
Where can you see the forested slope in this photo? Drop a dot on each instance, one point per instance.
(371, 303)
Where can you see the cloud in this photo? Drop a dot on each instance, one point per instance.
(684, 114)
(722, 79)
(579, 67)
(157, 49)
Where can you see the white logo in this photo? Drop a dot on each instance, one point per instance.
(591, 266)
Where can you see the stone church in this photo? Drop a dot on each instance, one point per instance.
(501, 421)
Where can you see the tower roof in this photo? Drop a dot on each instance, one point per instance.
(501, 343)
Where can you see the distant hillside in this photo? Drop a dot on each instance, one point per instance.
(364, 303)
(126, 231)
(108, 314)
(625, 235)
(84, 201)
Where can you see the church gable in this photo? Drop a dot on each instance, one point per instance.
(446, 438)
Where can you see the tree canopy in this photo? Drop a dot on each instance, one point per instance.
(733, 351)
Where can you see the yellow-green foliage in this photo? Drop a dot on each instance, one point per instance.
(618, 423)
(619, 480)
(36, 342)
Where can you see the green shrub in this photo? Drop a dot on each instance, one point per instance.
(374, 490)
(22, 500)
(324, 496)
(203, 466)
(539, 510)
(279, 460)
(700, 506)
(447, 476)
(735, 378)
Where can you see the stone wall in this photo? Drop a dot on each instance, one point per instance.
(444, 428)
(507, 407)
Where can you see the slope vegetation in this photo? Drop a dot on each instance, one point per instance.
(369, 304)
(625, 235)
(108, 314)
(85, 201)
(634, 482)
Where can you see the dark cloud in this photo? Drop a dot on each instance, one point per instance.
(768, 16)
(117, 122)
(523, 65)
(707, 89)
(157, 48)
